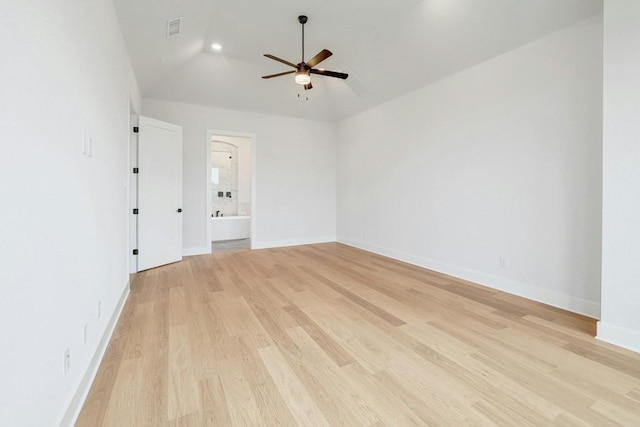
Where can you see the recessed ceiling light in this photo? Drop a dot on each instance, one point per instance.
(216, 46)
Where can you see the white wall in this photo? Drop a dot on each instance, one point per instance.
(295, 173)
(500, 160)
(63, 222)
(620, 322)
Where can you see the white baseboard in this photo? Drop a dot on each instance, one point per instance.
(565, 302)
(291, 242)
(202, 250)
(619, 336)
(71, 415)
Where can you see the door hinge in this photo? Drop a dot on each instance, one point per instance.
(136, 129)
(135, 252)
(135, 211)
(136, 170)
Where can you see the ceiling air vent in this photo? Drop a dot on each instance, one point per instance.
(173, 27)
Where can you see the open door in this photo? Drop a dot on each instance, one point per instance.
(159, 193)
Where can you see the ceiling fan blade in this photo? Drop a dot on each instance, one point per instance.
(308, 86)
(278, 75)
(275, 58)
(329, 73)
(321, 56)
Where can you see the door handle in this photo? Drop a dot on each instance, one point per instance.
(179, 210)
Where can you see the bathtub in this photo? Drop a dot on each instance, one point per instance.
(230, 228)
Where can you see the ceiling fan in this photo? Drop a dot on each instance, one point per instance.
(303, 70)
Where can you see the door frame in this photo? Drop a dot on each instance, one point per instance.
(252, 136)
(133, 191)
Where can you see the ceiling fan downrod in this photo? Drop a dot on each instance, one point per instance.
(302, 19)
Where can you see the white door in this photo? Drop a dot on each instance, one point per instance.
(159, 193)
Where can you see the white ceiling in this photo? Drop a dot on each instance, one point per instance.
(389, 47)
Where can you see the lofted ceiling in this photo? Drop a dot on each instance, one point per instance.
(389, 47)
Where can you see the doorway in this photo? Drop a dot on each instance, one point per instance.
(230, 190)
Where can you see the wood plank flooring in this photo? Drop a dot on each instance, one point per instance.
(331, 335)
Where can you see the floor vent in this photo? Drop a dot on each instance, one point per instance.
(173, 27)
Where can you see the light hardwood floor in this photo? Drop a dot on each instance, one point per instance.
(331, 335)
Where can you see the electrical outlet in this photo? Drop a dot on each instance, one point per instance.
(504, 263)
(67, 360)
(99, 309)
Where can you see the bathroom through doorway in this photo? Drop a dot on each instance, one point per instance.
(230, 190)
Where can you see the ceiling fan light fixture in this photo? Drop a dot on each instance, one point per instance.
(302, 78)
